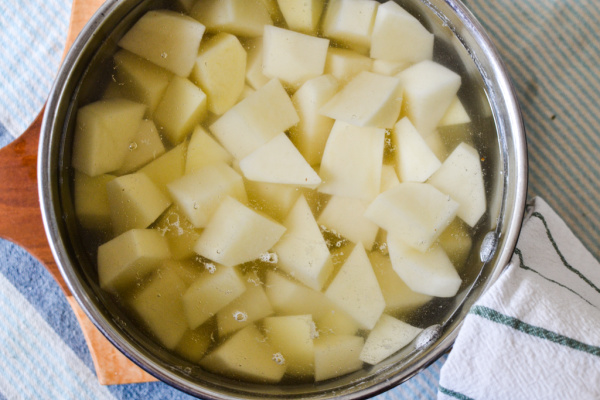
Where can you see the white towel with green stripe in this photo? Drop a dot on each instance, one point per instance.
(536, 333)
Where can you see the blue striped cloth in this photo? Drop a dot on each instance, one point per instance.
(552, 50)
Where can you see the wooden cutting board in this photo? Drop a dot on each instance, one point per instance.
(21, 223)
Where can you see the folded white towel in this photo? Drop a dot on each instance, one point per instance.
(536, 333)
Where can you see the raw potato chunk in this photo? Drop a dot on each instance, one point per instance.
(210, 293)
(302, 16)
(145, 147)
(360, 178)
(389, 178)
(255, 120)
(344, 215)
(103, 133)
(293, 298)
(461, 178)
(246, 355)
(337, 356)
(272, 198)
(367, 100)
(194, 343)
(183, 106)
(311, 133)
(203, 150)
(455, 114)
(273, 9)
(457, 242)
(429, 88)
(293, 57)
(253, 305)
(302, 251)
(167, 168)
(188, 271)
(91, 201)
(415, 212)
(293, 336)
(414, 159)
(254, 64)
(350, 23)
(398, 36)
(179, 232)
(141, 80)
(399, 298)
(356, 291)
(239, 17)
(336, 322)
(388, 336)
(160, 308)
(220, 70)
(167, 38)
(430, 272)
(237, 234)
(129, 257)
(389, 68)
(198, 194)
(345, 64)
(278, 161)
(135, 202)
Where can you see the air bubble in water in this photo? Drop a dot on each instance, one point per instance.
(278, 358)
(240, 316)
(132, 146)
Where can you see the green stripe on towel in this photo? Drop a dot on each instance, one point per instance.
(454, 394)
(531, 330)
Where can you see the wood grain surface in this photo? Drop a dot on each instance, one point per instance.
(21, 223)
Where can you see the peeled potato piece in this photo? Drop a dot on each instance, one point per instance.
(145, 147)
(203, 150)
(239, 17)
(166, 168)
(337, 355)
(388, 336)
(350, 23)
(179, 232)
(414, 159)
(251, 306)
(91, 201)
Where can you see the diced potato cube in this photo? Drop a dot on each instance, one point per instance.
(389, 178)
(388, 336)
(247, 91)
(210, 293)
(345, 64)
(167, 168)
(461, 177)
(160, 309)
(350, 23)
(199, 193)
(302, 251)
(203, 150)
(237, 234)
(429, 88)
(182, 107)
(302, 16)
(188, 271)
(311, 133)
(455, 114)
(360, 178)
(389, 68)
(398, 36)
(367, 100)
(356, 291)
(254, 64)
(194, 343)
(293, 298)
(293, 57)
(255, 120)
(91, 201)
(220, 70)
(292, 336)
(179, 232)
(253, 305)
(457, 243)
(113, 91)
(336, 322)
(239, 17)
(135, 202)
(273, 9)
(337, 355)
(437, 144)
(167, 38)
(430, 272)
(399, 298)
(414, 159)
(272, 198)
(278, 161)
(246, 355)
(103, 133)
(145, 147)
(130, 257)
(141, 80)
(344, 215)
(415, 212)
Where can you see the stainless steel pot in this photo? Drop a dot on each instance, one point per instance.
(486, 91)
